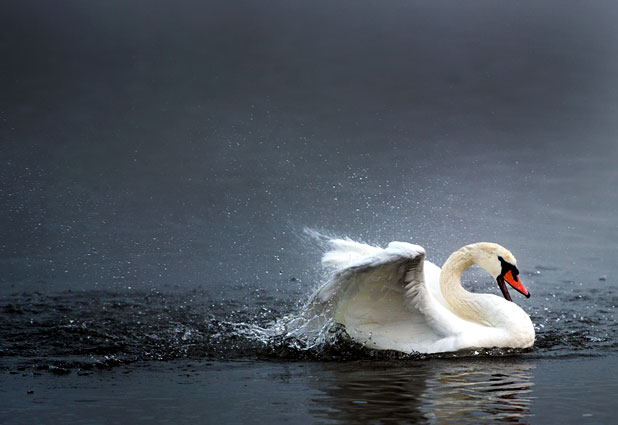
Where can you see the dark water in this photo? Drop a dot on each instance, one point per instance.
(161, 162)
(462, 391)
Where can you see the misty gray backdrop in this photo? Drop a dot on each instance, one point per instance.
(188, 144)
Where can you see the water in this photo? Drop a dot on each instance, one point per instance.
(462, 391)
(160, 167)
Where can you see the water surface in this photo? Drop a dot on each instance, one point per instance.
(160, 164)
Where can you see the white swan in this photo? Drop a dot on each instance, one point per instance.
(393, 299)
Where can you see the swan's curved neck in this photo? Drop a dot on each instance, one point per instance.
(465, 304)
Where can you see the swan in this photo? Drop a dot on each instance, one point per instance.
(393, 299)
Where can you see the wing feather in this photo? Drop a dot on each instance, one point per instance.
(387, 265)
(381, 296)
(418, 297)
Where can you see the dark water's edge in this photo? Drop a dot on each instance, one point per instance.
(519, 389)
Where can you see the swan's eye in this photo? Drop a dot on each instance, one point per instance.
(506, 266)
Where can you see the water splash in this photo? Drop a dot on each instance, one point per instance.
(84, 331)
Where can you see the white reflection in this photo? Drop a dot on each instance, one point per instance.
(435, 392)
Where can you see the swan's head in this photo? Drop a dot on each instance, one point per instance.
(501, 264)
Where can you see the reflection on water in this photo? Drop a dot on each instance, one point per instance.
(372, 392)
(433, 392)
(500, 392)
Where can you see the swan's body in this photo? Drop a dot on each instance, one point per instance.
(393, 299)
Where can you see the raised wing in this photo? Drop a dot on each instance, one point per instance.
(381, 297)
(357, 264)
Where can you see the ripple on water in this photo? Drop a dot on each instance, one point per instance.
(82, 331)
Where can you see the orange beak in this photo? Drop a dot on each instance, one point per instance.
(516, 283)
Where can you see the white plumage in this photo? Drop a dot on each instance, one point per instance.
(393, 299)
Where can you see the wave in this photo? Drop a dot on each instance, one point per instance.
(82, 331)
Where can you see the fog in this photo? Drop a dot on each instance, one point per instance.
(159, 144)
